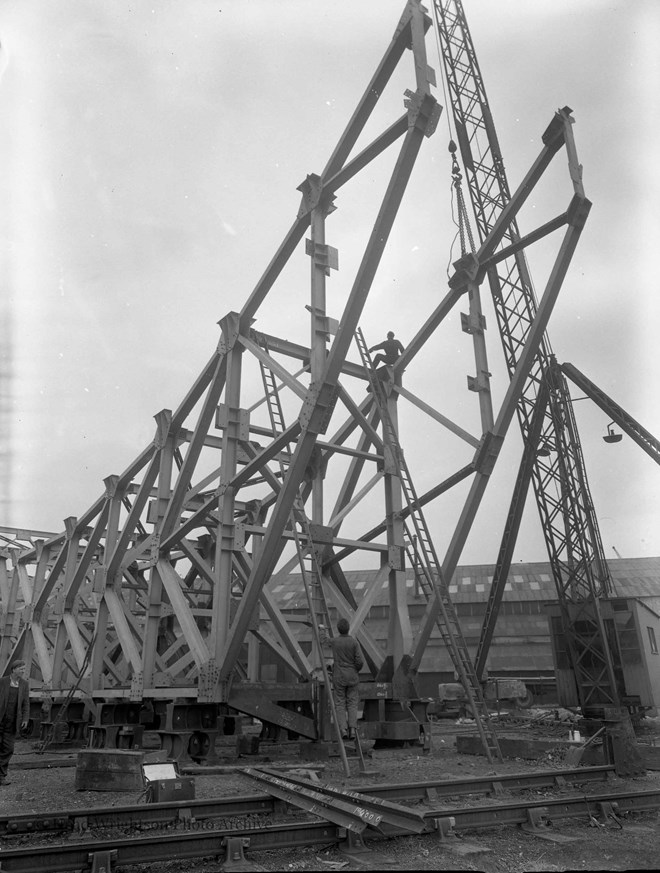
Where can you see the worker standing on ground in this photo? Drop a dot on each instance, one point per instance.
(14, 712)
(345, 680)
(391, 349)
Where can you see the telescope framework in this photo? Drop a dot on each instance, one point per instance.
(166, 588)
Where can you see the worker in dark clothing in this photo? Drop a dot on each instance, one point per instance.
(345, 680)
(391, 349)
(14, 712)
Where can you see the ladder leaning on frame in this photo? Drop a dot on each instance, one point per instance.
(318, 607)
(422, 552)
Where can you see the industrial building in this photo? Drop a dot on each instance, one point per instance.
(521, 646)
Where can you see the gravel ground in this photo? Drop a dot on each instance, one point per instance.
(501, 850)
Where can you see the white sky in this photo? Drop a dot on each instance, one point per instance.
(149, 158)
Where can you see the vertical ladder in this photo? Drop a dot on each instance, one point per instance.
(319, 613)
(410, 545)
(424, 560)
(317, 602)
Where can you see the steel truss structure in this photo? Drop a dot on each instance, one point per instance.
(165, 589)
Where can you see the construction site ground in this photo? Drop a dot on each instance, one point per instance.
(634, 845)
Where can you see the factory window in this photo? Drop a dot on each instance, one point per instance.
(559, 643)
(652, 640)
(629, 642)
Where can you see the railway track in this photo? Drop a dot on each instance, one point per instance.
(229, 828)
(163, 814)
(233, 843)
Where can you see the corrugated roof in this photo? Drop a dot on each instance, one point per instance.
(632, 577)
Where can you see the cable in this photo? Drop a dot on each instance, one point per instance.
(461, 221)
(441, 68)
(67, 700)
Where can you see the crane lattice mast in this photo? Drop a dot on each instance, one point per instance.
(560, 483)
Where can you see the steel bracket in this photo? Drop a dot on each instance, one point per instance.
(80, 824)
(467, 271)
(111, 482)
(444, 826)
(137, 686)
(554, 135)
(487, 453)
(313, 196)
(431, 794)
(473, 323)
(230, 327)
(222, 489)
(154, 554)
(98, 585)
(352, 844)
(235, 419)
(389, 463)
(57, 607)
(102, 862)
(321, 533)
(537, 820)
(395, 557)
(424, 111)
(318, 408)
(208, 681)
(325, 257)
(323, 323)
(608, 813)
(163, 424)
(578, 211)
(238, 539)
(235, 853)
(479, 382)
(156, 509)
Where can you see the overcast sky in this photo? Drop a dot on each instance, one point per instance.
(149, 158)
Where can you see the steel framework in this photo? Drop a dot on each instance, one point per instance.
(165, 589)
